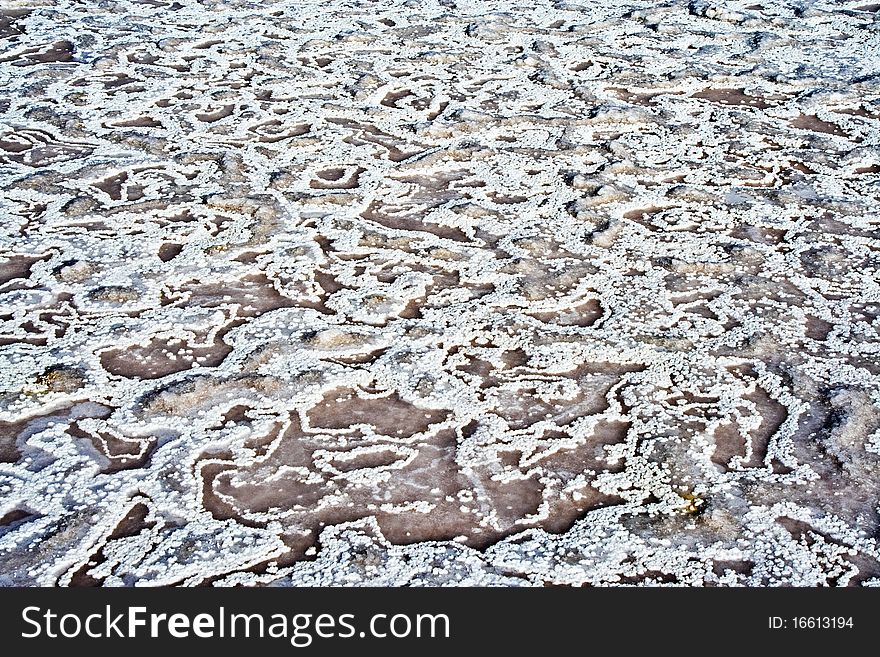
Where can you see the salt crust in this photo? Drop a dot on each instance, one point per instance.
(420, 293)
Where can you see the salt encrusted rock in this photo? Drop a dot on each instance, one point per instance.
(300, 293)
(715, 11)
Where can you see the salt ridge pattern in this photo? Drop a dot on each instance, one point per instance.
(428, 293)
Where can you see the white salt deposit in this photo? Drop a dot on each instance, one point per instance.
(439, 292)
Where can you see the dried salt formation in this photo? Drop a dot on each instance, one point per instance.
(439, 292)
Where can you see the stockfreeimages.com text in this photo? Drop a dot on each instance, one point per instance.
(300, 629)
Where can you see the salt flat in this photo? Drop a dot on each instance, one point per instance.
(435, 293)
